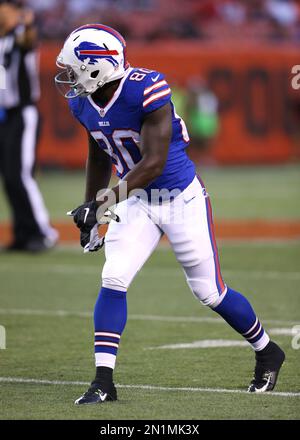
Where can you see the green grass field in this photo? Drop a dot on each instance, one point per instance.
(46, 308)
(246, 192)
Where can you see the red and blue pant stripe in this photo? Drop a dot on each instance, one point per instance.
(219, 280)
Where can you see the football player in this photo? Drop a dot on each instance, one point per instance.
(131, 123)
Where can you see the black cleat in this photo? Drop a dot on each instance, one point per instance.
(268, 364)
(95, 395)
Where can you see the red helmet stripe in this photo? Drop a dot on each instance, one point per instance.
(99, 52)
(111, 31)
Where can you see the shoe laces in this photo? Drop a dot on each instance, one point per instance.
(92, 390)
(261, 373)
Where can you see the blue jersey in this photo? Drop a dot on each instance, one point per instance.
(116, 127)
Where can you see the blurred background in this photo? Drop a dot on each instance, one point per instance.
(228, 61)
(229, 64)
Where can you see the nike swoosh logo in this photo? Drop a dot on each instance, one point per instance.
(188, 201)
(155, 78)
(103, 396)
(87, 210)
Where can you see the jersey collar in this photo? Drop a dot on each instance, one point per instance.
(103, 110)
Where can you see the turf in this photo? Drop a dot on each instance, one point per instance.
(47, 301)
(237, 193)
(41, 344)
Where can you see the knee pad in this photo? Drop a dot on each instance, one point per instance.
(203, 291)
(114, 283)
(114, 278)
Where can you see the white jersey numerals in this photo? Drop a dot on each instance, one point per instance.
(118, 137)
(140, 74)
(120, 154)
(184, 131)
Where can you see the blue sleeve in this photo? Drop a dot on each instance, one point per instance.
(156, 92)
(73, 105)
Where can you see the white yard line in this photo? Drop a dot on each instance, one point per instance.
(134, 317)
(285, 331)
(263, 274)
(235, 242)
(68, 269)
(204, 343)
(22, 380)
(51, 313)
(64, 269)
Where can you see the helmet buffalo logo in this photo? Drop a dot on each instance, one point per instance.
(93, 52)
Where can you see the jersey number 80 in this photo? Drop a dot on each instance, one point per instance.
(124, 158)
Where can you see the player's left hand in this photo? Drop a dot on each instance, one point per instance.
(91, 242)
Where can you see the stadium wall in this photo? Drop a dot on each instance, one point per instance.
(260, 112)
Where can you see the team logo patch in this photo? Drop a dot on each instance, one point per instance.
(94, 52)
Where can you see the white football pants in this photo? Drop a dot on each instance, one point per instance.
(186, 221)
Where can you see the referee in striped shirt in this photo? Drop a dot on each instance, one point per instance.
(19, 125)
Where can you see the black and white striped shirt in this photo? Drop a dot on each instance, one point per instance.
(21, 73)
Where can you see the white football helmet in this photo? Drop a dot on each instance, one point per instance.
(92, 56)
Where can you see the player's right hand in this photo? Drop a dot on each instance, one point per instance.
(85, 216)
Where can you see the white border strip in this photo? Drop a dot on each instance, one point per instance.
(28, 146)
(68, 269)
(137, 317)
(143, 387)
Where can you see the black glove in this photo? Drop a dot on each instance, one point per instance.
(84, 238)
(85, 217)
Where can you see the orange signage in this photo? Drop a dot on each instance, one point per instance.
(259, 109)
